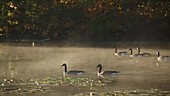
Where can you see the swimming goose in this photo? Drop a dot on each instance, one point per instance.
(134, 55)
(162, 58)
(71, 72)
(123, 53)
(105, 73)
(143, 54)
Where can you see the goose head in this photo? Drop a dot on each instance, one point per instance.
(64, 64)
(130, 49)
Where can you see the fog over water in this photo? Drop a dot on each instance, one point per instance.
(41, 62)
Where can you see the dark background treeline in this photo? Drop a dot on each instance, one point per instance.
(85, 20)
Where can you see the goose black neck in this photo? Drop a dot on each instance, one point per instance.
(100, 68)
(116, 50)
(158, 54)
(65, 68)
(131, 51)
(138, 50)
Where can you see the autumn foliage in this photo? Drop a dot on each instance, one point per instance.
(85, 20)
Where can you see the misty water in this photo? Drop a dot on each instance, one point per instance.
(37, 63)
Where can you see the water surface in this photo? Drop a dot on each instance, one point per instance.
(26, 62)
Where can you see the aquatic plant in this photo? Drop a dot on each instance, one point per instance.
(40, 85)
(44, 85)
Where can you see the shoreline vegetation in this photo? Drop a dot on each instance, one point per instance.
(85, 20)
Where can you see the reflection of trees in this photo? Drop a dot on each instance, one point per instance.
(97, 20)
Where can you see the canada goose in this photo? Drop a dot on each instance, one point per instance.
(105, 73)
(143, 54)
(71, 72)
(134, 55)
(123, 53)
(162, 58)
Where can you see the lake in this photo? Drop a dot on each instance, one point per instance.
(37, 71)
